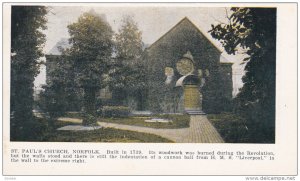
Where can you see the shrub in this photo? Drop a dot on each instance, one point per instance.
(115, 111)
(231, 127)
(37, 131)
(52, 102)
(89, 120)
(73, 114)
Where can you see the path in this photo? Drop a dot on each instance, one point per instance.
(200, 131)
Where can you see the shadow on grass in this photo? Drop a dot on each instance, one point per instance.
(178, 121)
(98, 135)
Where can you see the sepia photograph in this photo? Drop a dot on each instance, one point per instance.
(206, 89)
(143, 74)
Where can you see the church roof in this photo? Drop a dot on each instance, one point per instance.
(181, 23)
(62, 43)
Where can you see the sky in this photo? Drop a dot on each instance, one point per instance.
(153, 20)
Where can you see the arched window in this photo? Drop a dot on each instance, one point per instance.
(169, 72)
(200, 73)
(206, 72)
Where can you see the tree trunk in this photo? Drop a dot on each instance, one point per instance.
(140, 100)
(89, 105)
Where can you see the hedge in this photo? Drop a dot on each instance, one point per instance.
(115, 111)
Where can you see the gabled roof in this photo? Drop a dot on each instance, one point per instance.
(185, 19)
(62, 43)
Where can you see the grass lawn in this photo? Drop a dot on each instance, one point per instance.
(99, 135)
(231, 127)
(105, 135)
(178, 121)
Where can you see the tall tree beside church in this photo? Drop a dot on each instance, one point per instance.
(127, 75)
(129, 44)
(91, 40)
(27, 42)
(254, 30)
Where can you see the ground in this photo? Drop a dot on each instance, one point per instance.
(182, 129)
(100, 135)
(200, 130)
(178, 120)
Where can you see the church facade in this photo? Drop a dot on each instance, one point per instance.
(179, 56)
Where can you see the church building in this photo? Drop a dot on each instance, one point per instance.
(185, 72)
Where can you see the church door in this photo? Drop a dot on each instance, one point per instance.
(191, 97)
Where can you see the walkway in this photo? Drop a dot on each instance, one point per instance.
(200, 130)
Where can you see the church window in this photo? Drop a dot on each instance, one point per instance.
(169, 72)
(200, 73)
(206, 72)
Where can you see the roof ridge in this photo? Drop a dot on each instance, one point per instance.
(182, 20)
(204, 35)
(167, 32)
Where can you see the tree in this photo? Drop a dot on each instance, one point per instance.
(27, 42)
(91, 40)
(61, 93)
(129, 44)
(127, 72)
(254, 30)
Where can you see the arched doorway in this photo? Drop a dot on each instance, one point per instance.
(192, 95)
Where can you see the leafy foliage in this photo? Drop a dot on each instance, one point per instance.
(231, 127)
(91, 39)
(27, 41)
(61, 93)
(127, 75)
(129, 44)
(115, 111)
(254, 30)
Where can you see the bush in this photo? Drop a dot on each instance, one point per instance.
(33, 132)
(232, 128)
(52, 102)
(73, 114)
(115, 111)
(89, 120)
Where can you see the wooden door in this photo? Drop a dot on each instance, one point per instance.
(191, 97)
